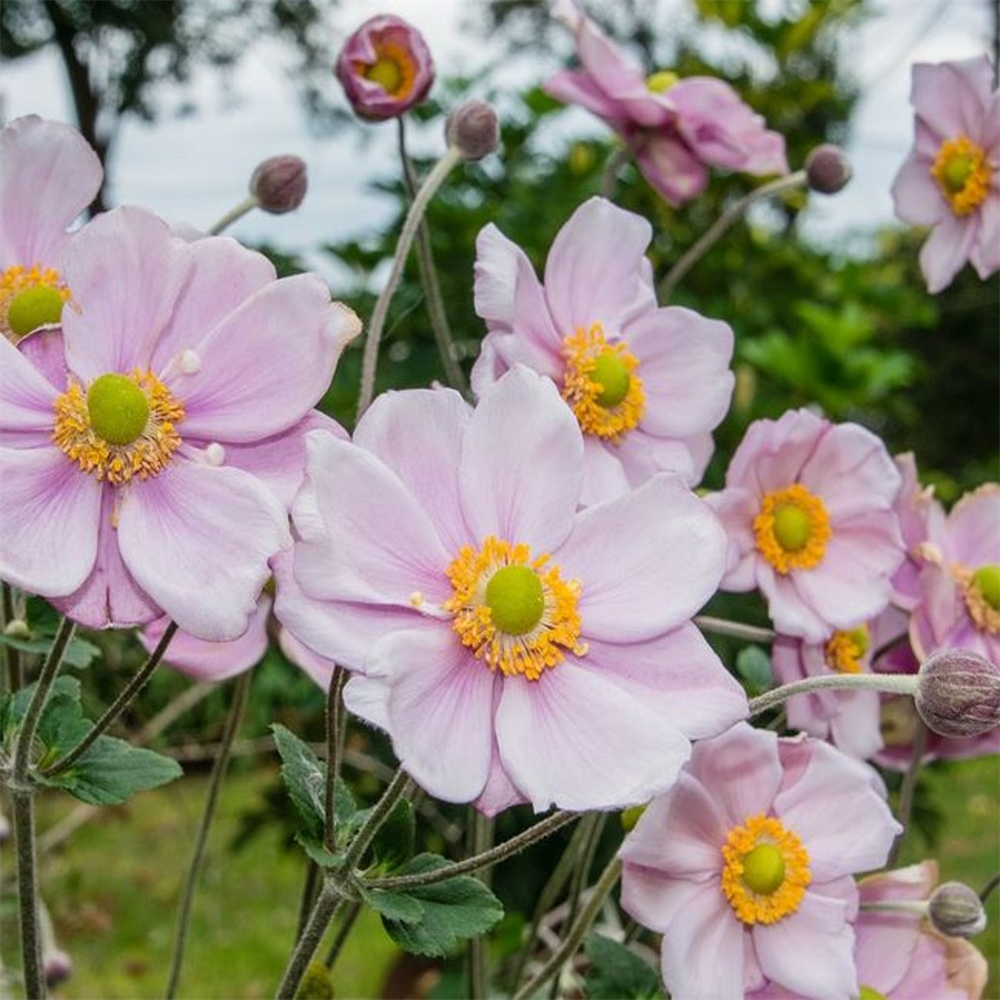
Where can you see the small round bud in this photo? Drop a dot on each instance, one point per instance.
(17, 628)
(958, 693)
(57, 966)
(828, 169)
(956, 911)
(279, 184)
(474, 128)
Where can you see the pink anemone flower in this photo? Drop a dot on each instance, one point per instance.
(49, 176)
(745, 866)
(808, 507)
(513, 647)
(144, 482)
(951, 179)
(676, 129)
(647, 385)
(385, 67)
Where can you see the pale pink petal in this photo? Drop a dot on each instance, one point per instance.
(654, 898)
(440, 708)
(643, 455)
(500, 792)
(365, 536)
(521, 463)
(946, 251)
(197, 540)
(575, 740)
(670, 167)
(646, 562)
(916, 197)
(126, 270)
(736, 509)
(319, 668)
(974, 527)
(945, 969)
(575, 87)
(856, 729)
(49, 510)
(418, 435)
(368, 699)
(985, 253)
(594, 271)
(45, 349)
(604, 476)
(26, 398)
(951, 97)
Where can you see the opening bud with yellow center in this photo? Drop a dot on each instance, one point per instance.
(958, 693)
(34, 307)
(118, 409)
(792, 529)
(515, 598)
(661, 81)
(956, 910)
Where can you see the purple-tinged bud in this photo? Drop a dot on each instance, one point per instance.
(473, 127)
(279, 184)
(958, 693)
(828, 169)
(956, 911)
(385, 68)
(56, 966)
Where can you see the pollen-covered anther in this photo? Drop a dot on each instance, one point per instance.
(601, 384)
(215, 454)
(963, 174)
(122, 426)
(765, 872)
(514, 612)
(981, 590)
(792, 529)
(30, 298)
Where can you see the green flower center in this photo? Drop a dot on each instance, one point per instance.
(870, 993)
(118, 409)
(611, 374)
(956, 172)
(515, 598)
(861, 639)
(386, 73)
(764, 869)
(661, 81)
(34, 307)
(791, 527)
(987, 579)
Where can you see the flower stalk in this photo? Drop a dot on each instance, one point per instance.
(735, 630)
(886, 683)
(234, 214)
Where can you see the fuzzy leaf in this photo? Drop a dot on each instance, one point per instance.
(616, 973)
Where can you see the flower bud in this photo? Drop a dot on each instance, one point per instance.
(474, 128)
(958, 693)
(17, 628)
(385, 68)
(828, 169)
(956, 911)
(279, 184)
(56, 966)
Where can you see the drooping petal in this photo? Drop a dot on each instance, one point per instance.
(500, 792)
(319, 668)
(368, 699)
(26, 398)
(197, 539)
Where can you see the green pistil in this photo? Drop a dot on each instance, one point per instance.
(661, 81)
(859, 636)
(611, 374)
(386, 73)
(764, 869)
(870, 993)
(956, 173)
(118, 409)
(34, 307)
(791, 527)
(515, 598)
(987, 580)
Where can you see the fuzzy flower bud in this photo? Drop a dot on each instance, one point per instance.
(279, 184)
(958, 693)
(828, 169)
(474, 128)
(956, 911)
(57, 966)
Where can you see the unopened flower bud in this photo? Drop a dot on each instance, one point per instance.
(956, 911)
(958, 693)
(279, 184)
(828, 169)
(474, 128)
(56, 966)
(17, 628)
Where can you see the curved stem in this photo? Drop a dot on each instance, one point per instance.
(564, 952)
(393, 792)
(15, 675)
(369, 358)
(721, 226)
(736, 630)
(236, 212)
(428, 277)
(616, 161)
(907, 789)
(214, 786)
(887, 683)
(116, 708)
(509, 847)
(309, 940)
(987, 889)
(919, 907)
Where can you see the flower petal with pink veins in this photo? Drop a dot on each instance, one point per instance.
(368, 699)
(575, 740)
(646, 561)
(49, 510)
(197, 539)
(319, 668)
(500, 792)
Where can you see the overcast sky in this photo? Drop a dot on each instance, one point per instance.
(192, 169)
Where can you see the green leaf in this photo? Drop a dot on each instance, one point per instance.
(461, 907)
(754, 666)
(394, 905)
(616, 973)
(305, 777)
(393, 843)
(78, 652)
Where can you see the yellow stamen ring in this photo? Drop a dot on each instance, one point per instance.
(963, 174)
(601, 385)
(792, 529)
(844, 651)
(30, 298)
(981, 590)
(766, 870)
(394, 69)
(123, 426)
(514, 612)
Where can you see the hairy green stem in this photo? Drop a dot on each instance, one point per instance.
(351, 914)
(919, 907)
(335, 715)
(394, 791)
(218, 775)
(886, 683)
(236, 212)
(309, 940)
(736, 630)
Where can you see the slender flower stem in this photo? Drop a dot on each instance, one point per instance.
(394, 791)
(236, 710)
(920, 907)
(907, 789)
(481, 839)
(369, 358)
(309, 892)
(616, 161)
(309, 940)
(428, 277)
(351, 914)
(505, 850)
(736, 630)
(886, 683)
(15, 675)
(564, 952)
(24, 816)
(334, 735)
(987, 889)
(721, 226)
(236, 212)
(116, 708)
